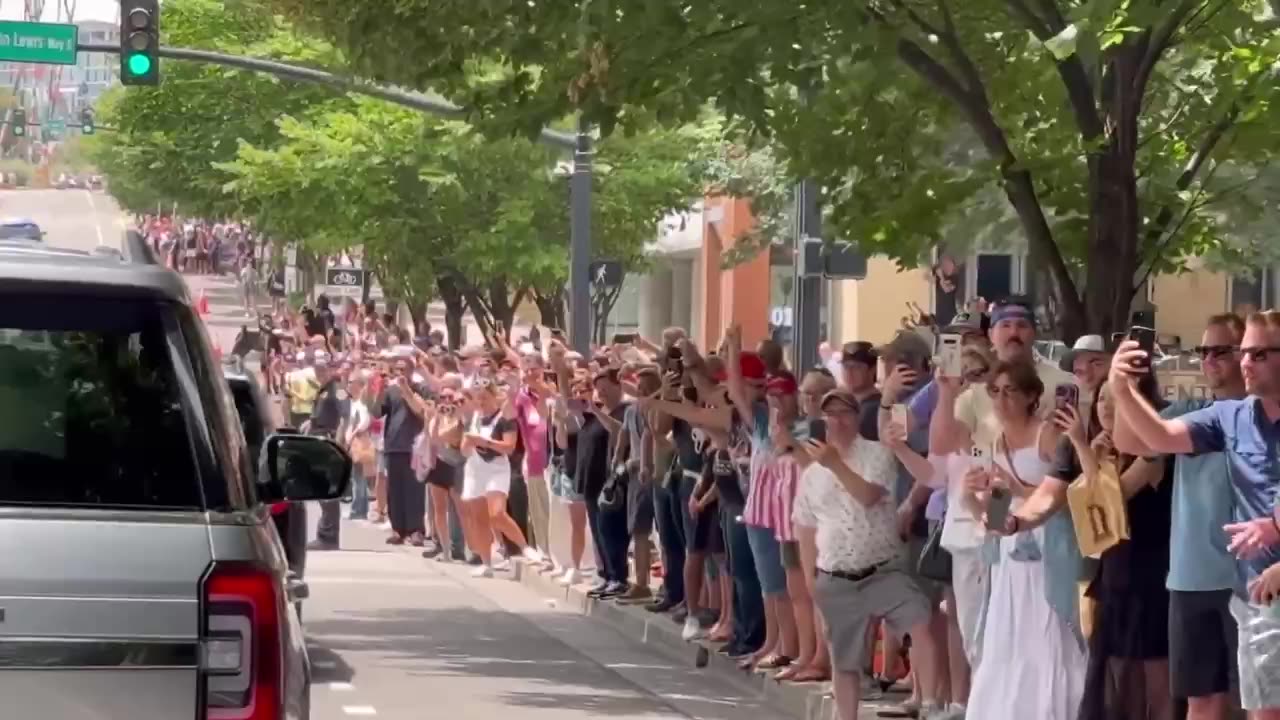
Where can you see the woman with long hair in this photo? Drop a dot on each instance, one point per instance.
(491, 438)
(564, 465)
(1032, 654)
(1129, 644)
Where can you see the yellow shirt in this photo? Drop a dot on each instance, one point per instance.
(974, 407)
(302, 391)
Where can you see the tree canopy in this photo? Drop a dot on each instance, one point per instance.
(438, 208)
(1110, 138)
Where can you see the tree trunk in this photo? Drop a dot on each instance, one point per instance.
(550, 307)
(455, 307)
(417, 311)
(602, 303)
(1114, 216)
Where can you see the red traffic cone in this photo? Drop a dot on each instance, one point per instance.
(202, 304)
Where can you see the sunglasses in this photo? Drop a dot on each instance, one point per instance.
(975, 374)
(1213, 352)
(1259, 354)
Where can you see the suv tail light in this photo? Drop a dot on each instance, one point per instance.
(240, 661)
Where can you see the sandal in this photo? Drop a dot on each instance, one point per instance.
(395, 540)
(811, 674)
(774, 662)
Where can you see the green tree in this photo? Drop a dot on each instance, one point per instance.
(169, 139)
(442, 210)
(1106, 127)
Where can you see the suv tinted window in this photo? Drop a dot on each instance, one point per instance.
(9, 232)
(90, 411)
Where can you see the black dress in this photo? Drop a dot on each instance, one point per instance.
(1131, 620)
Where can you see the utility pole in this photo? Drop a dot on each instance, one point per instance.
(806, 316)
(580, 243)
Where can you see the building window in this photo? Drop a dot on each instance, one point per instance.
(993, 276)
(1252, 292)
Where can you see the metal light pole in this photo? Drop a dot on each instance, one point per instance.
(807, 313)
(580, 243)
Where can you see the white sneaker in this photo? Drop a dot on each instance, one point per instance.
(570, 577)
(692, 630)
(501, 564)
(482, 571)
(532, 555)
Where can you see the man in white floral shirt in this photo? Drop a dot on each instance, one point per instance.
(845, 522)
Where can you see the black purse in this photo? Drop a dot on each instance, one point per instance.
(935, 561)
(613, 496)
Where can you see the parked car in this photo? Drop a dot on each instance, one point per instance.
(151, 583)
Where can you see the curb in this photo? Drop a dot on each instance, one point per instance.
(810, 701)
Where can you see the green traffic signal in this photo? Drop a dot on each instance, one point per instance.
(139, 64)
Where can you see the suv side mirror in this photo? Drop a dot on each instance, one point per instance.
(306, 467)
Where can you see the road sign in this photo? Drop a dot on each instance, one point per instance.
(53, 43)
(344, 282)
(55, 125)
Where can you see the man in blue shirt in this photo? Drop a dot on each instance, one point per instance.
(1202, 571)
(1247, 432)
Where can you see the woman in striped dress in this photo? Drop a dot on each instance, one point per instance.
(768, 509)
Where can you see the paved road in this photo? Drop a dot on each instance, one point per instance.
(77, 219)
(397, 636)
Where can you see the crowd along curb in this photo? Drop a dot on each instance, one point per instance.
(803, 702)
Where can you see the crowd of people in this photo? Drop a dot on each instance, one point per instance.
(193, 246)
(896, 511)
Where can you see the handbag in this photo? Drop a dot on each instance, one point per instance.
(1098, 510)
(364, 454)
(613, 496)
(935, 560)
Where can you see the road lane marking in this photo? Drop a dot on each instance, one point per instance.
(323, 664)
(93, 208)
(341, 686)
(365, 710)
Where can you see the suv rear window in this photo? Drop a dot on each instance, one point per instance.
(90, 408)
(23, 231)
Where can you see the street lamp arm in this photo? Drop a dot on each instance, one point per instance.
(415, 100)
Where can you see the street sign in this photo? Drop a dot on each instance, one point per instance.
(55, 125)
(52, 43)
(344, 282)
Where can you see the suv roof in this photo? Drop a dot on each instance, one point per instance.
(104, 270)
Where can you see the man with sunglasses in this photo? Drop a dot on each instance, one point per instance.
(1202, 572)
(1247, 432)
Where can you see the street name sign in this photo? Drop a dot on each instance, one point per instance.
(51, 43)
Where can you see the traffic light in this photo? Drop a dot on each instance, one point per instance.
(86, 122)
(19, 123)
(139, 42)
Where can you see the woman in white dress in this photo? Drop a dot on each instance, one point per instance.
(1032, 657)
(487, 474)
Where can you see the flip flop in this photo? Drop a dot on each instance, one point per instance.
(811, 674)
(773, 662)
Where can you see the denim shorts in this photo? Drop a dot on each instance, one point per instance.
(767, 552)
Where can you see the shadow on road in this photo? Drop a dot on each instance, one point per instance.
(535, 669)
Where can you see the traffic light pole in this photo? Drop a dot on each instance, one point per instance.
(405, 98)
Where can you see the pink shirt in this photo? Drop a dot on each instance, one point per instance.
(532, 421)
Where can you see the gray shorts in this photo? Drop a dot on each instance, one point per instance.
(848, 608)
(1258, 654)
